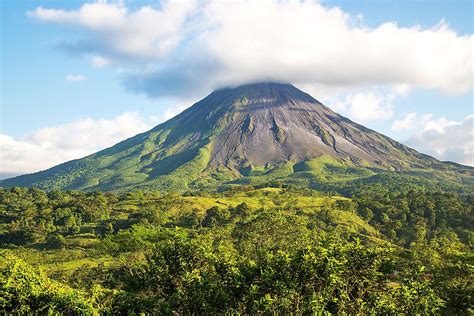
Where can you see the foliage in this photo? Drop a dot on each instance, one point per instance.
(243, 250)
(23, 290)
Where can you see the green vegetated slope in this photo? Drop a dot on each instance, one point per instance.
(244, 250)
(252, 134)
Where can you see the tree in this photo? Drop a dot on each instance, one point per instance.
(56, 241)
(242, 210)
(215, 216)
(345, 205)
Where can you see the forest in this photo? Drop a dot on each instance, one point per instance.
(246, 249)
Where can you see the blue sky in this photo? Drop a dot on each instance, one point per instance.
(70, 64)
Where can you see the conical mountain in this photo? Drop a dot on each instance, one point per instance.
(263, 130)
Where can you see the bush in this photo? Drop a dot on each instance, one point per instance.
(24, 291)
(56, 241)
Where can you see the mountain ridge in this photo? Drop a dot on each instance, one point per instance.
(234, 133)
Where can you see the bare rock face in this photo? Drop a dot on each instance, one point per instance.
(262, 125)
(273, 123)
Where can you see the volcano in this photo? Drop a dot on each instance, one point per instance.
(264, 131)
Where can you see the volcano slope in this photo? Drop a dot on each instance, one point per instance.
(251, 134)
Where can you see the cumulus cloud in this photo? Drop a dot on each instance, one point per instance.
(75, 78)
(405, 122)
(189, 47)
(411, 121)
(47, 147)
(365, 107)
(143, 33)
(441, 138)
(176, 109)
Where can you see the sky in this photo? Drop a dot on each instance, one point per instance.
(80, 76)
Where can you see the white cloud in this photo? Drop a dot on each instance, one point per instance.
(143, 33)
(188, 48)
(405, 123)
(175, 109)
(411, 121)
(75, 78)
(365, 107)
(47, 147)
(440, 125)
(100, 62)
(442, 138)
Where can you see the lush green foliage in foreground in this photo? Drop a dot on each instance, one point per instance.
(244, 250)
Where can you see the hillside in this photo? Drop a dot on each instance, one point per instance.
(249, 134)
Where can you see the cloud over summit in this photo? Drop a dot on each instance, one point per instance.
(188, 47)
